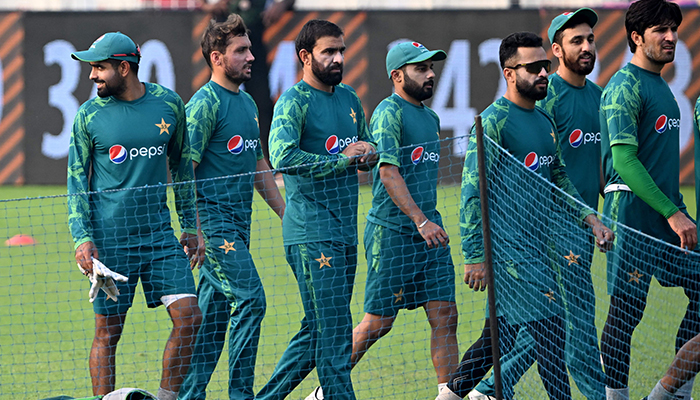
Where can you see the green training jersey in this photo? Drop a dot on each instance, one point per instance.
(407, 136)
(119, 144)
(574, 110)
(639, 109)
(310, 129)
(696, 137)
(529, 135)
(225, 140)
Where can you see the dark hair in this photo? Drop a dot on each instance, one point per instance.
(217, 35)
(115, 63)
(575, 21)
(646, 13)
(312, 31)
(511, 43)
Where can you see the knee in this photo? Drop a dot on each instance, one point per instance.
(445, 318)
(380, 327)
(108, 336)
(188, 319)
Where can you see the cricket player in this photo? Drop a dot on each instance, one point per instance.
(122, 140)
(222, 123)
(409, 262)
(318, 137)
(529, 295)
(640, 122)
(572, 102)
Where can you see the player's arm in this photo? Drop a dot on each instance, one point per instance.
(470, 219)
(370, 157)
(287, 156)
(79, 161)
(267, 187)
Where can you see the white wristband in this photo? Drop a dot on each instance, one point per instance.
(423, 224)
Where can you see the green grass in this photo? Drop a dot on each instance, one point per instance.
(46, 322)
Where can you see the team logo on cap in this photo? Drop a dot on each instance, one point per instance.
(576, 138)
(567, 13)
(661, 124)
(532, 162)
(417, 155)
(235, 144)
(418, 45)
(332, 144)
(117, 154)
(92, 46)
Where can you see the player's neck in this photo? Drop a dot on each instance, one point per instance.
(311, 80)
(642, 61)
(135, 89)
(514, 96)
(571, 77)
(221, 80)
(405, 96)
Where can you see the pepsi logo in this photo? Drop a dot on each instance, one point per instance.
(661, 124)
(576, 138)
(417, 45)
(532, 161)
(333, 145)
(117, 154)
(235, 144)
(417, 155)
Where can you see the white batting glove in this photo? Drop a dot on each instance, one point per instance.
(103, 278)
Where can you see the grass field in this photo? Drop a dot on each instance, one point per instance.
(46, 321)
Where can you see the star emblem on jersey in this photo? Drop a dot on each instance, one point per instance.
(257, 122)
(227, 246)
(572, 258)
(550, 296)
(163, 127)
(554, 137)
(353, 114)
(635, 275)
(323, 261)
(399, 296)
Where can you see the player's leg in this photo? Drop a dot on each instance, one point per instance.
(550, 336)
(514, 364)
(442, 316)
(186, 318)
(108, 330)
(624, 315)
(216, 311)
(683, 369)
(368, 332)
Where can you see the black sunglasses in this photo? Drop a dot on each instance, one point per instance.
(534, 67)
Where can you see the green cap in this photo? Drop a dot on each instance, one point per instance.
(410, 53)
(585, 14)
(114, 45)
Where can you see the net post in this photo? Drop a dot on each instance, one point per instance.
(488, 259)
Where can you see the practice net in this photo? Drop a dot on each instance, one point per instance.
(47, 323)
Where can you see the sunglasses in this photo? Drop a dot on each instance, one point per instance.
(535, 67)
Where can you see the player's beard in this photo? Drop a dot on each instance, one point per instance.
(416, 90)
(657, 56)
(530, 90)
(575, 66)
(236, 77)
(325, 75)
(114, 87)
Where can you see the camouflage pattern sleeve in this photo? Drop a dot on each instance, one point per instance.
(285, 135)
(386, 131)
(180, 163)
(363, 132)
(549, 103)
(562, 181)
(620, 107)
(470, 206)
(79, 159)
(201, 113)
(258, 150)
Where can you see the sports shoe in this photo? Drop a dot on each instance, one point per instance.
(477, 395)
(317, 394)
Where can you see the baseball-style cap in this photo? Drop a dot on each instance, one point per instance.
(410, 53)
(114, 45)
(586, 14)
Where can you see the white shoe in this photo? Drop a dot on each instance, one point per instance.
(477, 395)
(317, 394)
(447, 394)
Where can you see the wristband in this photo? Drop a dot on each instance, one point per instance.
(423, 224)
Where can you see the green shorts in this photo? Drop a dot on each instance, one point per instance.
(635, 257)
(404, 273)
(161, 265)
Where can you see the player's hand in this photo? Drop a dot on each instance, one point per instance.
(194, 247)
(604, 237)
(685, 229)
(434, 235)
(353, 151)
(369, 159)
(475, 276)
(84, 255)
